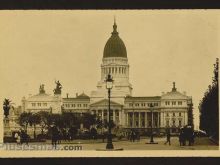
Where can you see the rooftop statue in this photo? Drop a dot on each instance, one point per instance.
(41, 89)
(58, 88)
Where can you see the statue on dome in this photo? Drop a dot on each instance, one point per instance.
(41, 89)
(174, 87)
(58, 88)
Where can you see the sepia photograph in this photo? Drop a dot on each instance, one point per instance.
(97, 81)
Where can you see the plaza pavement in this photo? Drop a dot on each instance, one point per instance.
(200, 144)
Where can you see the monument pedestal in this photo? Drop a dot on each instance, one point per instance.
(7, 131)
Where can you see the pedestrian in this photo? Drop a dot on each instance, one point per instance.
(168, 138)
(138, 135)
(130, 135)
(54, 136)
(18, 138)
(24, 137)
(133, 136)
(181, 137)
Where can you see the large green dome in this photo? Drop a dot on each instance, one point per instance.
(115, 47)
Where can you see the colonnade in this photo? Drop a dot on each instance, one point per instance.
(115, 114)
(142, 119)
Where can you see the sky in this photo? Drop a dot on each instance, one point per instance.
(163, 46)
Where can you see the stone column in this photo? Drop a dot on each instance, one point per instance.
(126, 121)
(120, 116)
(152, 119)
(161, 119)
(145, 119)
(102, 114)
(113, 111)
(139, 119)
(158, 119)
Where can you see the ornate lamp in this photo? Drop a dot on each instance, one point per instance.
(109, 85)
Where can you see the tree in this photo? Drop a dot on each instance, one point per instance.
(45, 119)
(209, 108)
(69, 120)
(88, 120)
(33, 121)
(24, 119)
(6, 107)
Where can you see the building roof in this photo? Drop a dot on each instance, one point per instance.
(129, 98)
(82, 96)
(115, 47)
(40, 97)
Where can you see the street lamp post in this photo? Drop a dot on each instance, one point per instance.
(152, 135)
(109, 146)
(133, 125)
(109, 85)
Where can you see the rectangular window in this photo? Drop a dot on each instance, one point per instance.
(173, 114)
(137, 105)
(180, 114)
(167, 114)
(180, 123)
(179, 102)
(167, 103)
(155, 104)
(33, 104)
(39, 104)
(173, 102)
(130, 104)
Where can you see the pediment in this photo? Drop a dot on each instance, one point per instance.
(104, 102)
(174, 95)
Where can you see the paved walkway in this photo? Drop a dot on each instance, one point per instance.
(200, 144)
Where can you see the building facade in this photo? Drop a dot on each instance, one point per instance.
(127, 111)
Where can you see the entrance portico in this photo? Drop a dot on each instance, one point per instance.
(100, 108)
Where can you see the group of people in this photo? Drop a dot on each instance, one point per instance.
(133, 135)
(21, 137)
(186, 134)
(58, 134)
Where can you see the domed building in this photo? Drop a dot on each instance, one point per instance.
(114, 62)
(127, 111)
